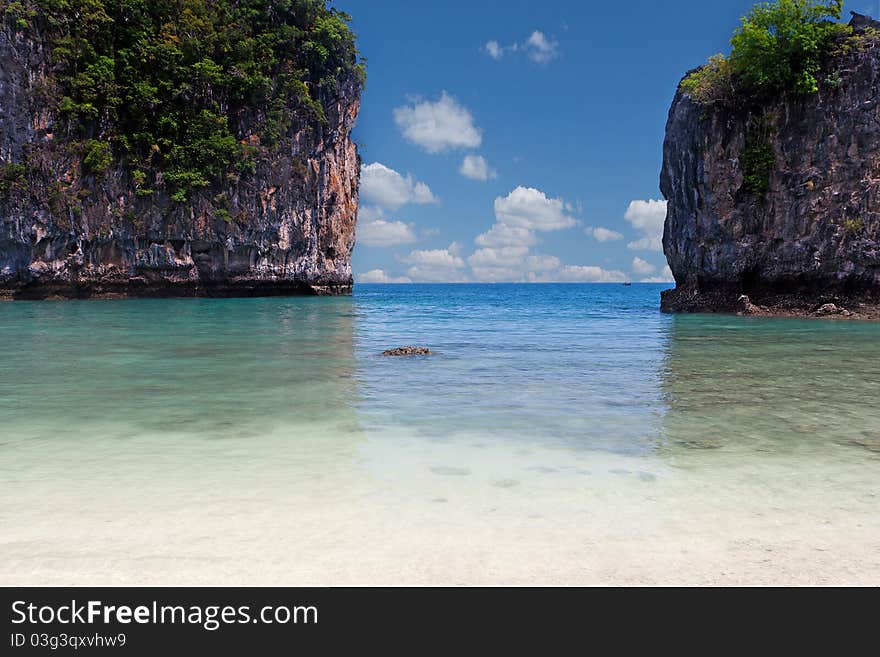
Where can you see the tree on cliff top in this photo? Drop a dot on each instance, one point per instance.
(185, 93)
(779, 47)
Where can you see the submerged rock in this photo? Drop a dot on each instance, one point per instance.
(407, 351)
(813, 236)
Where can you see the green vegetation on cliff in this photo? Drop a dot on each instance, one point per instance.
(758, 157)
(779, 47)
(163, 86)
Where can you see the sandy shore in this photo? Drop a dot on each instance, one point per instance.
(398, 513)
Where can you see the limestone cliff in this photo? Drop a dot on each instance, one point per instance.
(284, 224)
(811, 236)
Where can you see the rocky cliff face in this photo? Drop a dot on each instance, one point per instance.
(812, 237)
(286, 228)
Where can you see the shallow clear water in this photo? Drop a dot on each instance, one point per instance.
(561, 434)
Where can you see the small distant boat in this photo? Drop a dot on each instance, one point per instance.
(627, 285)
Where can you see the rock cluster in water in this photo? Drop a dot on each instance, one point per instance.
(813, 239)
(407, 351)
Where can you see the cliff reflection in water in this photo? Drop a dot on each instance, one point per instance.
(180, 369)
(771, 385)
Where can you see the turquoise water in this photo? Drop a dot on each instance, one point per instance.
(560, 434)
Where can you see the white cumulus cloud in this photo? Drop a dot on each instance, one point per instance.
(379, 276)
(601, 234)
(476, 167)
(642, 267)
(540, 263)
(507, 256)
(526, 207)
(647, 218)
(510, 263)
(585, 274)
(665, 276)
(435, 265)
(369, 213)
(505, 248)
(538, 47)
(438, 126)
(504, 235)
(385, 187)
(494, 50)
(385, 233)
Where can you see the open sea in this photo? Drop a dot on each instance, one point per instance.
(561, 434)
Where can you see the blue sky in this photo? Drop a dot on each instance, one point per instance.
(522, 141)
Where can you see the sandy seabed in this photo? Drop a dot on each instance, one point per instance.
(465, 511)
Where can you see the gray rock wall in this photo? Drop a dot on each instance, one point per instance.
(814, 237)
(290, 227)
